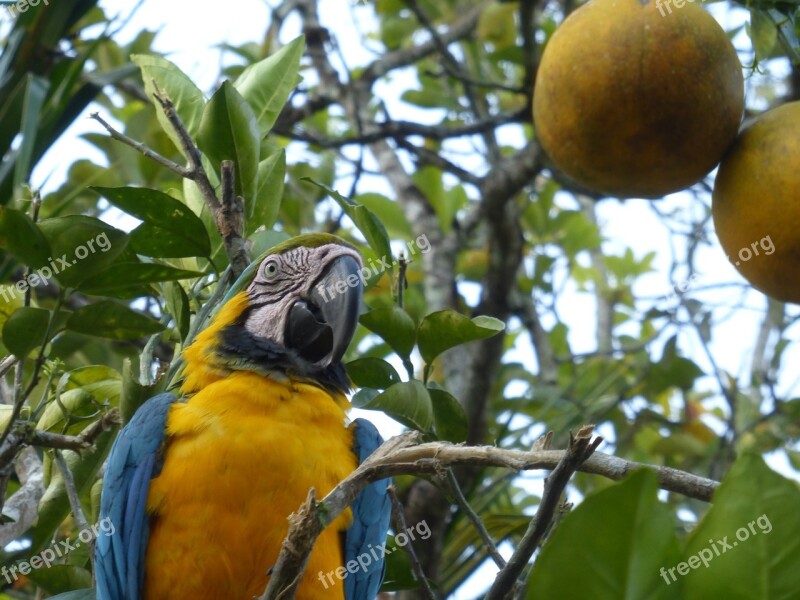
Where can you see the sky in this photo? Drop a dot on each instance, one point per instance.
(191, 33)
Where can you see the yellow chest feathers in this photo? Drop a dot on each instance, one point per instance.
(241, 455)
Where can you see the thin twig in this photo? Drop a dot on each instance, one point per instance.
(400, 525)
(7, 364)
(72, 491)
(393, 129)
(581, 447)
(141, 148)
(450, 479)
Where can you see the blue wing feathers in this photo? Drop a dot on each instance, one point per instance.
(119, 559)
(372, 509)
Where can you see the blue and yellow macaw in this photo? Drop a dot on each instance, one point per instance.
(199, 487)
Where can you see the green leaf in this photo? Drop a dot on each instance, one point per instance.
(672, 370)
(266, 85)
(80, 395)
(446, 203)
(81, 246)
(399, 575)
(264, 240)
(229, 131)
(35, 93)
(450, 419)
(134, 393)
(185, 95)
(407, 402)
(178, 306)
(496, 25)
(122, 276)
(70, 414)
(371, 372)
(368, 224)
(264, 208)
(6, 412)
(446, 329)
(389, 213)
(633, 537)
(763, 33)
(748, 537)
(20, 236)
(157, 242)
(109, 319)
(57, 578)
(394, 325)
(25, 330)
(363, 397)
(170, 228)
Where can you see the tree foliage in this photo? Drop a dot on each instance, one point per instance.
(471, 332)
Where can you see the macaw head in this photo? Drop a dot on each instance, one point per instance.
(305, 297)
(293, 311)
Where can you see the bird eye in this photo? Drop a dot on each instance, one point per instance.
(270, 270)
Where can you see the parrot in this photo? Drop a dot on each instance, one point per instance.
(199, 485)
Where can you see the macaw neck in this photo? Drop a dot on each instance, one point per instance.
(226, 346)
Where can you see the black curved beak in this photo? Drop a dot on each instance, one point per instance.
(321, 326)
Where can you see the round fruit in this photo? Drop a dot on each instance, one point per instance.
(756, 203)
(638, 98)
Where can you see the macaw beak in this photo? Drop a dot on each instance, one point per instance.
(321, 325)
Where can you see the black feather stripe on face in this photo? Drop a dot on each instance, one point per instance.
(241, 350)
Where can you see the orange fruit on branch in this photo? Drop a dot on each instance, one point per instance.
(638, 98)
(756, 203)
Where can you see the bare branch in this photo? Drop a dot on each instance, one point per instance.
(72, 491)
(452, 482)
(429, 157)
(227, 215)
(7, 364)
(400, 525)
(392, 129)
(23, 505)
(141, 148)
(407, 56)
(581, 447)
(232, 215)
(404, 455)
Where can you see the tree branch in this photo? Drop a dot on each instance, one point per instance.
(404, 455)
(581, 447)
(228, 213)
(23, 505)
(392, 129)
(141, 148)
